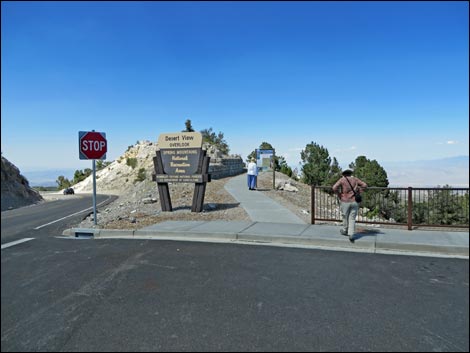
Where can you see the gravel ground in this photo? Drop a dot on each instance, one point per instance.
(140, 206)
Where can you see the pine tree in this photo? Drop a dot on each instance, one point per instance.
(373, 174)
(189, 127)
(370, 172)
(217, 140)
(315, 164)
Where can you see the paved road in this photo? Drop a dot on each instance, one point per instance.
(144, 295)
(31, 218)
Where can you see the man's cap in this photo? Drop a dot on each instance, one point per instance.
(347, 172)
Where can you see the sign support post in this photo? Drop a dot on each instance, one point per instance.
(273, 164)
(93, 145)
(94, 193)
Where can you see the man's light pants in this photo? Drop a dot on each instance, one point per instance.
(349, 213)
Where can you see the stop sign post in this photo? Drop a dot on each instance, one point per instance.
(92, 145)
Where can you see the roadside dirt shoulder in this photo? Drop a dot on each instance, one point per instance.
(140, 206)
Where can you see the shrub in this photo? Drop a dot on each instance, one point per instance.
(132, 162)
(141, 175)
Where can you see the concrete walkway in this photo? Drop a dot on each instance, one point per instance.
(326, 237)
(275, 225)
(259, 207)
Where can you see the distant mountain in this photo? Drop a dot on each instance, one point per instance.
(453, 171)
(425, 173)
(47, 177)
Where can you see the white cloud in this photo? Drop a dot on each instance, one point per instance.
(347, 149)
(449, 142)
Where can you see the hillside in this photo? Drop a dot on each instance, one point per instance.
(120, 177)
(138, 203)
(15, 191)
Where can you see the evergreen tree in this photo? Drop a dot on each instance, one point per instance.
(447, 207)
(189, 127)
(209, 136)
(315, 164)
(334, 173)
(63, 182)
(80, 175)
(100, 164)
(283, 167)
(374, 175)
(371, 172)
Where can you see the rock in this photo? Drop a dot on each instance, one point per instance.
(148, 200)
(280, 184)
(290, 187)
(15, 191)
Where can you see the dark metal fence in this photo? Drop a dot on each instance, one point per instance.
(423, 207)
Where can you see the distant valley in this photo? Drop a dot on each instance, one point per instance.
(425, 173)
(47, 177)
(429, 173)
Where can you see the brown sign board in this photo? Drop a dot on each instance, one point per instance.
(181, 153)
(180, 159)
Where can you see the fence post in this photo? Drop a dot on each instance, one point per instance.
(410, 208)
(312, 204)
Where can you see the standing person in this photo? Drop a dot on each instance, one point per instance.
(349, 187)
(252, 174)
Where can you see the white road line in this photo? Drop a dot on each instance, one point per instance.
(73, 214)
(16, 242)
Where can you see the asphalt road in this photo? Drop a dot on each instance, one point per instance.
(48, 215)
(145, 295)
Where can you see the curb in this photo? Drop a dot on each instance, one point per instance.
(378, 247)
(440, 249)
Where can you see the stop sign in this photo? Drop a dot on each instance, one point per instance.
(93, 145)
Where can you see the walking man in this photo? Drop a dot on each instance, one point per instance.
(350, 187)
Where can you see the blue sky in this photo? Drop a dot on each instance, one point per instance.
(388, 80)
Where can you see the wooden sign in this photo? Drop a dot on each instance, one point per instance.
(180, 159)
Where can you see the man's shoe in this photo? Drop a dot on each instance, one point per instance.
(351, 239)
(343, 232)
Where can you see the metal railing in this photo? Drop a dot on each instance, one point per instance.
(423, 207)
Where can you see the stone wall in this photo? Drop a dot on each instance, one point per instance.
(225, 167)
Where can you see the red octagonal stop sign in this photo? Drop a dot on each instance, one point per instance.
(93, 145)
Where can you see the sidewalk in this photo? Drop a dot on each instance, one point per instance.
(275, 225)
(259, 207)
